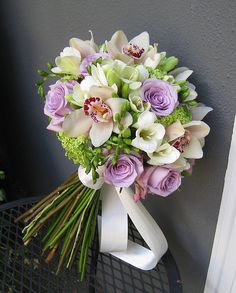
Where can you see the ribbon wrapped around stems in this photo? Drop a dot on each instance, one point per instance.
(113, 229)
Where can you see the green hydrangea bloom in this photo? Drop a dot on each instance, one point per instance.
(181, 113)
(75, 148)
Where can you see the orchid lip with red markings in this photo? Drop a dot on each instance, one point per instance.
(133, 51)
(97, 109)
(182, 142)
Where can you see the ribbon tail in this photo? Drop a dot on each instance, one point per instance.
(116, 206)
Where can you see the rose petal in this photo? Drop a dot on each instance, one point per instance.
(76, 123)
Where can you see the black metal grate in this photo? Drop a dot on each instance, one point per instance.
(23, 270)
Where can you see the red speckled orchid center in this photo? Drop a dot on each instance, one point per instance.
(133, 51)
(97, 109)
(182, 142)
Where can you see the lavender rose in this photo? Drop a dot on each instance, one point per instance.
(56, 106)
(157, 180)
(89, 60)
(162, 96)
(124, 173)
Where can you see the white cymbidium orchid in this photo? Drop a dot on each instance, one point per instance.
(97, 117)
(128, 51)
(188, 138)
(68, 62)
(149, 134)
(165, 154)
(85, 48)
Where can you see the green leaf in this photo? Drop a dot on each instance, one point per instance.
(42, 73)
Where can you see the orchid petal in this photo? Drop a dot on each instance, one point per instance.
(100, 132)
(143, 73)
(198, 129)
(84, 48)
(174, 131)
(199, 113)
(119, 40)
(142, 40)
(76, 123)
(99, 75)
(193, 150)
(101, 91)
(181, 164)
(87, 179)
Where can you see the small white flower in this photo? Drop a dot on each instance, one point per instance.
(149, 134)
(87, 179)
(165, 154)
(68, 62)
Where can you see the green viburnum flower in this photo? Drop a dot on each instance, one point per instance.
(181, 113)
(74, 148)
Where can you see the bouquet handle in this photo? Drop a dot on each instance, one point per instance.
(117, 205)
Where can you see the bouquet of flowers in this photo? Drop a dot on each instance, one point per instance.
(129, 118)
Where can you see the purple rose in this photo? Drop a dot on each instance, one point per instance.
(160, 181)
(56, 105)
(162, 96)
(89, 60)
(124, 173)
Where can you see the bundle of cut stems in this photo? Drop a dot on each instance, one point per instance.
(72, 210)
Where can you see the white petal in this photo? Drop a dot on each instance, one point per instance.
(197, 128)
(87, 83)
(192, 95)
(145, 145)
(181, 73)
(115, 105)
(83, 47)
(100, 132)
(143, 73)
(181, 164)
(199, 113)
(76, 123)
(165, 154)
(87, 179)
(142, 40)
(193, 150)
(69, 51)
(118, 41)
(99, 75)
(126, 122)
(154, 61)
(101, 91)
(174, 131)
(56, 70)
(146, 117)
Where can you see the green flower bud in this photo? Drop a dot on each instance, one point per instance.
(126, 133)
(127, 141)
(125, 90)
(170, 63)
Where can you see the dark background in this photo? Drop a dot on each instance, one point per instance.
(200, 33)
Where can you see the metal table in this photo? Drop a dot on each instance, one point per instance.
(23, 270)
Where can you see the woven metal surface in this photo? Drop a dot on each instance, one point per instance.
(23, 270)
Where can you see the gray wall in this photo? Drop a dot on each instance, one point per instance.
(200, 33)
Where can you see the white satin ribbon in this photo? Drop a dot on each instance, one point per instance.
(113, 229)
